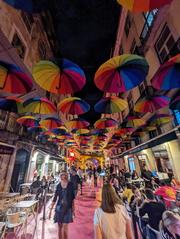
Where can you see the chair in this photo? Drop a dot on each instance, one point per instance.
(152, 233)
(2, 230)
(16, 222)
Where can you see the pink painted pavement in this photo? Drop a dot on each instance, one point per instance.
(81, 228)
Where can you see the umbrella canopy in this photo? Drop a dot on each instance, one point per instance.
(121, 73)
(175, 103)
(160, 119)
(13, 79)
(73, 106)
(168, 75)
(110, 105)
(39, 105)
(81, 131)
(105, 123)
(59, 131)
(51, 122)
(37, 129)
(11, 104)
(28, 121)
(124, 131)
(151, 104)
(31, 6)
(143, 5)
(134, 121)
(60, 76)
(77, 124)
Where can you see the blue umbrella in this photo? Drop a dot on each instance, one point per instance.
(31, 6)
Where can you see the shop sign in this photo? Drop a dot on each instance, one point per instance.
(6, 150)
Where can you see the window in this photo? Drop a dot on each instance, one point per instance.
(131, 164)
(141, 88)
(127, 25)
(28, 20)
(130, 101)
(149, 18)
(164, 44)
(42, 50)
(19, 45)
(153, 134)
(133, 47)
(176, 114)
(120, 50)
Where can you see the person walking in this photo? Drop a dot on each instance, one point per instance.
(111, 220)
(75, 180)
(64, 200)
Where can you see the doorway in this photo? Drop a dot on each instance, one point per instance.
(20, 169)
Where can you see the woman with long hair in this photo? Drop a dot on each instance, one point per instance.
(64, 200)
(111, 220)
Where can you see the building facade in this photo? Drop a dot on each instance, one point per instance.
(23, 42)
(154, 35)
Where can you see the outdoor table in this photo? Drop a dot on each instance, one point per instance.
(28, 206)
(8, 195)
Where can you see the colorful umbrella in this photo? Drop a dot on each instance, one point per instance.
(60, 76)
(168, 75)
(121, 73)
(37, 129)
(11, 104)
(160, 119)
(31, 6)
(110, 105)
(73, 106)
(151, 104)
(77, 124)
(133, 121)
(39, 106)
(51, 122)
(13, 79)
(28, 121)
(168, 194)
(124, 131)
(175, 103)
(143, 5)
(105, 123)
(81, 131)
(59, 130)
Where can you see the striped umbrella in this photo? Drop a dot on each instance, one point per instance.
(121, 73)
(151, 104)
(134, 121)
(51, 122)
(124, 131)
(28, 121)
(59, 130)
(77, 124)
(168, 75)
(110, 105)
(13, 79)
(143, 5)
(39, 105)
(105, 123)
(73, 106)
(160, 119)
(60, 76)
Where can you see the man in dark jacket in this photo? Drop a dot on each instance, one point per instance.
(75, 179)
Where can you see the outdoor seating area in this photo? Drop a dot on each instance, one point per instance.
(15, 212)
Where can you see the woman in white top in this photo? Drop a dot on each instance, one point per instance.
(111, 220)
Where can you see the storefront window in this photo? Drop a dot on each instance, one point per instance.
(131, 164)
(162, 160)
